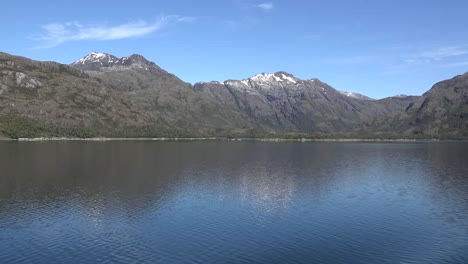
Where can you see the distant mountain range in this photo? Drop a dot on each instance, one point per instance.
(102, 95)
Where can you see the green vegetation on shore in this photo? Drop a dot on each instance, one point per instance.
(14, 127)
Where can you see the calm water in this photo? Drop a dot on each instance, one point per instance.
(233, 202)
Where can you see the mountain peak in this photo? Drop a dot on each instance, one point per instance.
(356, 95)
(95, 57)
(138, 57)
(98, 54)
(274, 77)
(94, 61)
(97, 60)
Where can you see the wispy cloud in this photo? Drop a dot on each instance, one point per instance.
(266, 6)
(185, 19)
(437, 55)
(55, 34)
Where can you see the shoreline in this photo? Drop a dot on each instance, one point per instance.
(104, 139)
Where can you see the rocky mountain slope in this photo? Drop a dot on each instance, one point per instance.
(134, 99)
(284, 103)
(43, 98)
(440, 112)
(162, 95)
(102, 95)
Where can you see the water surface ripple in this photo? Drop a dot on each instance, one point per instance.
(233, 202)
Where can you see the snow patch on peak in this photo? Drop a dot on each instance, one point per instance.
(98, 54)
(95, 57)
(96, 61)
(264, 77)
(287, 78)
(270, 77)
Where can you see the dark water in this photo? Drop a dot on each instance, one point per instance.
(233, 202)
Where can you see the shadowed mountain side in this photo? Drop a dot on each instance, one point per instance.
(440, 112)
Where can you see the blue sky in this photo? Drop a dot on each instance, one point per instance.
(378, 48)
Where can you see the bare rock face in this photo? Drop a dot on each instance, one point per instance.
(18, 80)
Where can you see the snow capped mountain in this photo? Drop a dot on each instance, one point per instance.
(96, 57)
(276, 101)
(280, 100)
(97, 60)
(93, 57)
(356, 95)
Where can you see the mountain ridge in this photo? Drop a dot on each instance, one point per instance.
(103, 63)
(102, 95)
